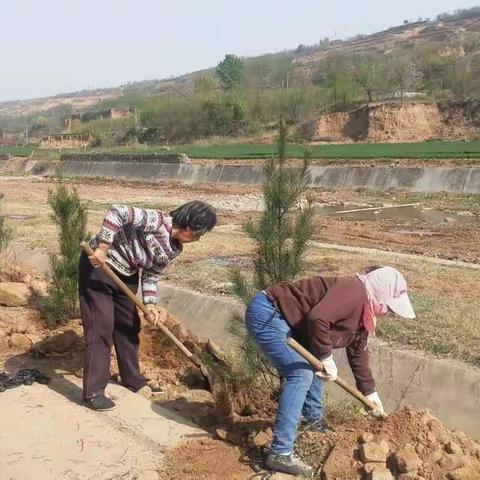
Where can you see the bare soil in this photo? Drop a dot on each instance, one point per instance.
(393, 122)
(239, 438)
(444, 235)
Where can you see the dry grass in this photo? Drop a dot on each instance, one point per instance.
(444, 326)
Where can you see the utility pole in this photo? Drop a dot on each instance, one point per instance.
(26, 131)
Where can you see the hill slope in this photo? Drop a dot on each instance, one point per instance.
(305, 60)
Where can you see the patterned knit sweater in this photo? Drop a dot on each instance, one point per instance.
(139, 240)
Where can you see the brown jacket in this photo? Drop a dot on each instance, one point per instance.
(326, 313)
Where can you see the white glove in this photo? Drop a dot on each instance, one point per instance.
(330, 367)
(374, 398)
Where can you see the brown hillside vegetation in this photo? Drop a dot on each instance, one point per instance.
(401, 36)
(392, 122)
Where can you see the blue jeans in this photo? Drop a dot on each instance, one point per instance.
(301, 390)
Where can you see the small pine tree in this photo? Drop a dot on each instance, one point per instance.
(281, 238)
(5, 232)
(282, 233)
(70, 216)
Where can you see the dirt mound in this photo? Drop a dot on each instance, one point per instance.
(392, 122)
(407, 445)
(205, 459)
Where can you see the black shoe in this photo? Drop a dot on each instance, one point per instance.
(318, 426)
(100, 403)
(288, 464)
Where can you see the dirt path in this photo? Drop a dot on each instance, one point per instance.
(46, 434)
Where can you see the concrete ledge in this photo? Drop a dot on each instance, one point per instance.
(420, 179)
(207, 317)
(46, 434)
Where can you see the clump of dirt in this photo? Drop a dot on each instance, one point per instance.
(408, 445)
(205, 459)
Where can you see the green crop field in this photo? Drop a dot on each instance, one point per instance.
(426, 150)
(18, 151)
(359, 151)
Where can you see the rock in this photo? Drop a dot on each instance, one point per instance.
(148, 475)
(451, 462)
(436, 455)
(14, 294)
(380, 472)
(407, 459)
(374, 452)
(407, 476)
(420, 449)
(233, 437)
(19, 341)
(427, 416)
(365, 437)
(181, 332)
(3, 340)
(452, 447)
(22, 325)
(57, 344)
(261, 439)
(435, 425)
(39, 288)
(464, 473)
(216, 351)
(221, 433)
(369, 467)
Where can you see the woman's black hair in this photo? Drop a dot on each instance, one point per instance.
(196, 215)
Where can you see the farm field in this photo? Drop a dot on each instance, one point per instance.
(363, 151)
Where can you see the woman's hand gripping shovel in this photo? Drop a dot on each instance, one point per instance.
(193, 358)
(317, 365)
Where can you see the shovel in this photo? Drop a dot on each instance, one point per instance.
(193, 358)
(317, 365)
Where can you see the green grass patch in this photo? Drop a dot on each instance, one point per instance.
(364, 151)
(445, 327)
(361, 151)
(17, 151)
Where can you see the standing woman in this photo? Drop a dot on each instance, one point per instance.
(137, 244)
(322, 313)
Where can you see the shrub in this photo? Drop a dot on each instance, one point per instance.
(280, 235)
(70, 216)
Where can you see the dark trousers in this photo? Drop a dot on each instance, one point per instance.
(109, 318)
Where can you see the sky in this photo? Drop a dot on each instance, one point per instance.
(49, 47)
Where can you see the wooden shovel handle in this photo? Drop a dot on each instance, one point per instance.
(108, 271)
(317, 365)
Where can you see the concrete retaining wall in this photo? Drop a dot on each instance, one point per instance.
(450, 388)
(175, 158)
(420, 179)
